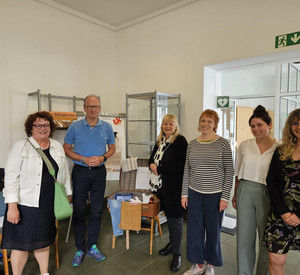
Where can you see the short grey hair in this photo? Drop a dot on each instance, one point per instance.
(92, 95)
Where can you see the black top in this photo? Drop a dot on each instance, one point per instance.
(171, 170)
(277, 180)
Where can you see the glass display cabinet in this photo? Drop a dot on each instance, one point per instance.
(144, 114)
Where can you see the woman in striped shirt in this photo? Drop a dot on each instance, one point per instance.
(207, 182)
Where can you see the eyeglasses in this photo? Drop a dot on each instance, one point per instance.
(296, 123)
(40, 126)
(92, 107)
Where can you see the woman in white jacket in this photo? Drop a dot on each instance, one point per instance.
(29, 223)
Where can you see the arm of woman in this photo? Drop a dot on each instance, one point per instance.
(12, 182)
(290, 219)
(63, 176)
(152, 166)
(237, 181)
(223, 205)
(295, 220)
(228, 172)
(238, 162)
(12, 174)
(175, 164)
(184, 202)
(13, 214)
(66, 181)
(274, 184)
(186, 179)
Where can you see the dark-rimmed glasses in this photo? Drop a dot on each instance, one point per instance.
(40, 126)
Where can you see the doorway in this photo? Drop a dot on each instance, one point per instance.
(272, 81)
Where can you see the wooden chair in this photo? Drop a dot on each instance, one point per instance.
(151, 230)
(127, 183)
(55, 244)
(6, 259)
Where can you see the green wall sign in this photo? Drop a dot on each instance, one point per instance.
(288, 39)
(223, 102)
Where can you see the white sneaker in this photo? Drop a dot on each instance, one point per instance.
(195, 270)
(209, 270)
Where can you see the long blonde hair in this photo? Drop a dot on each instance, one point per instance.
(287, 147)
(170, 118)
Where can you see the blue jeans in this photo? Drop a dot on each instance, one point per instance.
(87, 182)
(115, 214)
(204, 218)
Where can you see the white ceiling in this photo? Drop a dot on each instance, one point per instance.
(117, 14)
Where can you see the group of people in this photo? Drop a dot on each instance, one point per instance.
(29, 222)
(196, 177)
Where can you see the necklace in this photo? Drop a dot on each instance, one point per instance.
(46, 147)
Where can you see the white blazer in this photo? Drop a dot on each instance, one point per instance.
(23, 172)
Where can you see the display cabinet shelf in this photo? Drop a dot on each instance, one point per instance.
(144, 114)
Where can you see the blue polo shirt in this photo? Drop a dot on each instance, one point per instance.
(89, 141)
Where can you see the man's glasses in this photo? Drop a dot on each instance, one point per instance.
(92, 107)
(40, 126)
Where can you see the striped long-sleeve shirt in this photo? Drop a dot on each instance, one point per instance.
(208, 168)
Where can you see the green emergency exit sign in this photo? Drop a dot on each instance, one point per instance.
(288, 39)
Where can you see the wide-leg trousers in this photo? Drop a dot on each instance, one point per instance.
(204, 222)
(253, 205)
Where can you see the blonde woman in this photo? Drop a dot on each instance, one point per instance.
(167, 163)
(283, 230)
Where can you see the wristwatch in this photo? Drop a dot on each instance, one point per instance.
(82, 160)
(105, 158)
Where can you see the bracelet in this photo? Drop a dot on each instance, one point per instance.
(105, 158)
(82, 160)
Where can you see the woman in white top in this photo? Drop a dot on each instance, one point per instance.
(29, 222)
(251, 199)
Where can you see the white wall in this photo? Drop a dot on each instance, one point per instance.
(43, 48)
(241, 83)
(168, 53)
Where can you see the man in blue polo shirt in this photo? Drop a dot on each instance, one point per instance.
(86, 143)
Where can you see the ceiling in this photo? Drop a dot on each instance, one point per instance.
(116, 14)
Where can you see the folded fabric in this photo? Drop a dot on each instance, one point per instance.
(146, 198)
(135, 200)
(124, 197)
(131, 216)
(129, 164)
(155, 182)
(115, 214)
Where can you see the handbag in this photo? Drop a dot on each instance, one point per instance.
(62, 207)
